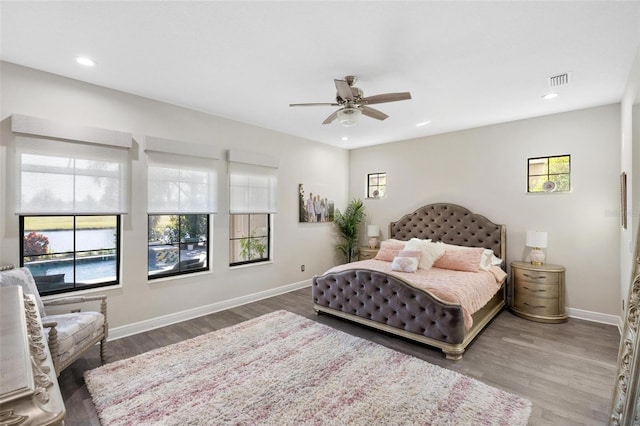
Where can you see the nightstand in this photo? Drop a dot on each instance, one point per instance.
(367, 253)
(537, 292)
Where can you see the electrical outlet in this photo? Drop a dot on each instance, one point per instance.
(301, 268)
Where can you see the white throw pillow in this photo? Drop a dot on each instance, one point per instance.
(430, 251)
(404, 264)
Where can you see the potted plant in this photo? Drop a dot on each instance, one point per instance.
(252, 247)
(348, 224)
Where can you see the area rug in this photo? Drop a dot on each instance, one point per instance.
(284, 369)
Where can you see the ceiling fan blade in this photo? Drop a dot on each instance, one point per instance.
(315, 104)
(330, 118)
(344, 90)
(386, 97)
(373, 113)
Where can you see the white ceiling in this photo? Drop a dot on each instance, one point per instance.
(466, 64)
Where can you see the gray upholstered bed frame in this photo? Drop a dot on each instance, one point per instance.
(391, 304)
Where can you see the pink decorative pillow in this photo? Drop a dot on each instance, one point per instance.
(486, 260)
(460, 260)
(405, 264)
(389, 249)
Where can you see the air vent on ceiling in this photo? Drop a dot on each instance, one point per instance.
(559, 80)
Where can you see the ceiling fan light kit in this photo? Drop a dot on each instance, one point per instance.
(353, 103)
(349, 116)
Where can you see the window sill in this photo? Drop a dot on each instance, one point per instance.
(178, 277)
(251, 265)
(548, 193)
(82, 292)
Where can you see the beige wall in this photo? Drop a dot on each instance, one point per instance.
(484, 169)
(630, 163)
(30, 92)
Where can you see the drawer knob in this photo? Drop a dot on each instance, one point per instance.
(535, 290)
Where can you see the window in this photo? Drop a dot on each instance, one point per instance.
(249, 236)
(66, 253)
(178, 244)
(71, 190)
(252, 201)
(181, 197)
(376, 185)
(549, 174)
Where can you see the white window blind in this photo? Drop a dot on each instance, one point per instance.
(252, 187)
(56, 177)
(180, 184)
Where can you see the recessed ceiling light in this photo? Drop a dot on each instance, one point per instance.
(550, 96)
(424, 123)
(344, 138)
(87, 62)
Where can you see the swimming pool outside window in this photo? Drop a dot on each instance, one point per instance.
(178, 244)
(68, 253)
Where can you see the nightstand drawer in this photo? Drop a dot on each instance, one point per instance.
(532, 289)
(367, 253)
(537, 277)
(536, 305)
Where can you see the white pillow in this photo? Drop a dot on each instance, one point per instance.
(404, 264)
(430, 251)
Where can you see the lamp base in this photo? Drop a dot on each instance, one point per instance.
(537, 257)
(373, 242)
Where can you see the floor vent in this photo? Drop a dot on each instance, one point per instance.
(559, 80)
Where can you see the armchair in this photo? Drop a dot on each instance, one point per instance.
(68, 335)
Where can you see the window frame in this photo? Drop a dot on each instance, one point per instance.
(75, 288)
(548, 175)
(265, 259)
(180, 272)
(378, 186)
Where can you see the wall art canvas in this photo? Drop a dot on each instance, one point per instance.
(314, 204)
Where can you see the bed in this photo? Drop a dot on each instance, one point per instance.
(389, 302)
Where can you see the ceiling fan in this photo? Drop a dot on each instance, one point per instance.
(353, 103)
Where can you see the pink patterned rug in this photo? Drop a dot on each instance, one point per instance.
(284, 369)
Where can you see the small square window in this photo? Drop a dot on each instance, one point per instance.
(549, 174)
(376, 185)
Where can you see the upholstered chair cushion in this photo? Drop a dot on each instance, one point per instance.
(75, 330)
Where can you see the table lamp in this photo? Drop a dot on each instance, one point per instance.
(537, 240)
(372, 232)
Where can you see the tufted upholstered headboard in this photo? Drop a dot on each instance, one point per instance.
(451, 224)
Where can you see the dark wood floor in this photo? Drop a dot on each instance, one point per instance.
(566, 370)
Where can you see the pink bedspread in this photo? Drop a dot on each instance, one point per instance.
(472, 290)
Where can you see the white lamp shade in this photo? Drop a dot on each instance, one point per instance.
(373, 230)
(536, 239)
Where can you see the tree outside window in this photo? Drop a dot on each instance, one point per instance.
(376, 185)
(549, 174)
(178, 244)
(249, 238)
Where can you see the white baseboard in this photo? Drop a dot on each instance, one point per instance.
(150, 324)
(594, 316)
